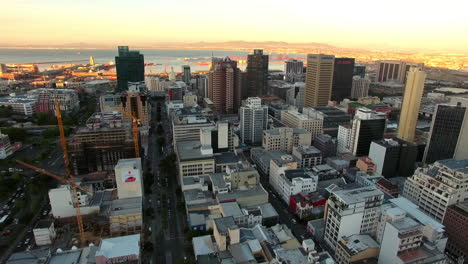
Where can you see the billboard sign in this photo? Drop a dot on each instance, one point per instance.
(130, 176)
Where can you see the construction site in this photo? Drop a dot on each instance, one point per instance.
(105, 198)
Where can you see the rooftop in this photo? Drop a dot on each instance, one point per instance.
(307, 150)
(406, 224)
(461, 208)
(24, 99)
(237, 194)
(354, 244)
(226, 157)
(414, 211)
(456, 165)
(203, 245)
(231, 209)
(126, 206)
(44, 224)
(119, 246)
(299, 173)
(358, 195)
(291, 256)
(190, 150)
(224, 224)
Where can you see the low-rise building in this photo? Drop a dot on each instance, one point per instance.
(356, 248)
(308, 156)
(44, 232)
(6, 149)
(326, 144)
(306, 205)
(262, 159)
(119, 249)
(67, 98)
(125, 216)
(366, 165)
(20, 104)
(285, 138)
(292, 182)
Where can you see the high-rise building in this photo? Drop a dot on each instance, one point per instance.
(294, 119)
(342, 79)
(359, 70)
(295, 95)
(394, 157)
(294, 71)
(344, 139)
(186, 75)
(368, 126)
(136, 103)
(256, 74)
(411, 102)
(456, 224)
(225, 85)
(130, 66)
(394, 71)
(352, 211)
(436, 187)
(360, 87)
(253, 120)
(319, 78)
(293, 66)
(152, 82)
(448, 136)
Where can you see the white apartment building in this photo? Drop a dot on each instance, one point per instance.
(253, 120)
(292, 118)
(20, 104)
(279, 165)
(353, 211)
(61, 202)
(188, 128)
(407, 235)
(285, 138)
(436, 187)
(44, 232)
(344, 139)
(308, 156)
(129, 178)
(291, 182)
(46, 97)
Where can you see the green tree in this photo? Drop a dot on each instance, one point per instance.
(43, 119)
(17, 176)
(15, 134)
(6, 111)
(21, 203)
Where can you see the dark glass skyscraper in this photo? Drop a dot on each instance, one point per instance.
(257, 73)
(130, 66)
(187, 76)
(446, 128)
(342, 79)
(359, 70)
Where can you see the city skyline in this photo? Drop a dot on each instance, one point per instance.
(37, 24)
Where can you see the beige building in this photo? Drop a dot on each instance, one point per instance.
(292, 118)
(190, 100)
(411, 102)
(137, 103)
(356, 248)
(285, 138)
(225, 232)
(319, 77)
(194, 160)
(129, 178)
(125, 216)
(279, 166)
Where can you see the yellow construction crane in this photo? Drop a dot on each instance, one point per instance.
(136, 134)
(69, 177)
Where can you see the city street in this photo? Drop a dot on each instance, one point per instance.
(169, 243)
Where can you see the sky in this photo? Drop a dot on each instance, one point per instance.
(403, 24)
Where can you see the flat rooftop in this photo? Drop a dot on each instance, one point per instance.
(190, 151)
(299, 173)
(354, 244)
(456, 165)
(308, 150)
(224, 224)
(406, 224)
(226, 157)
(126, 206)
(413, 210)
(231, 209)
(119, 246)
(358, 195)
